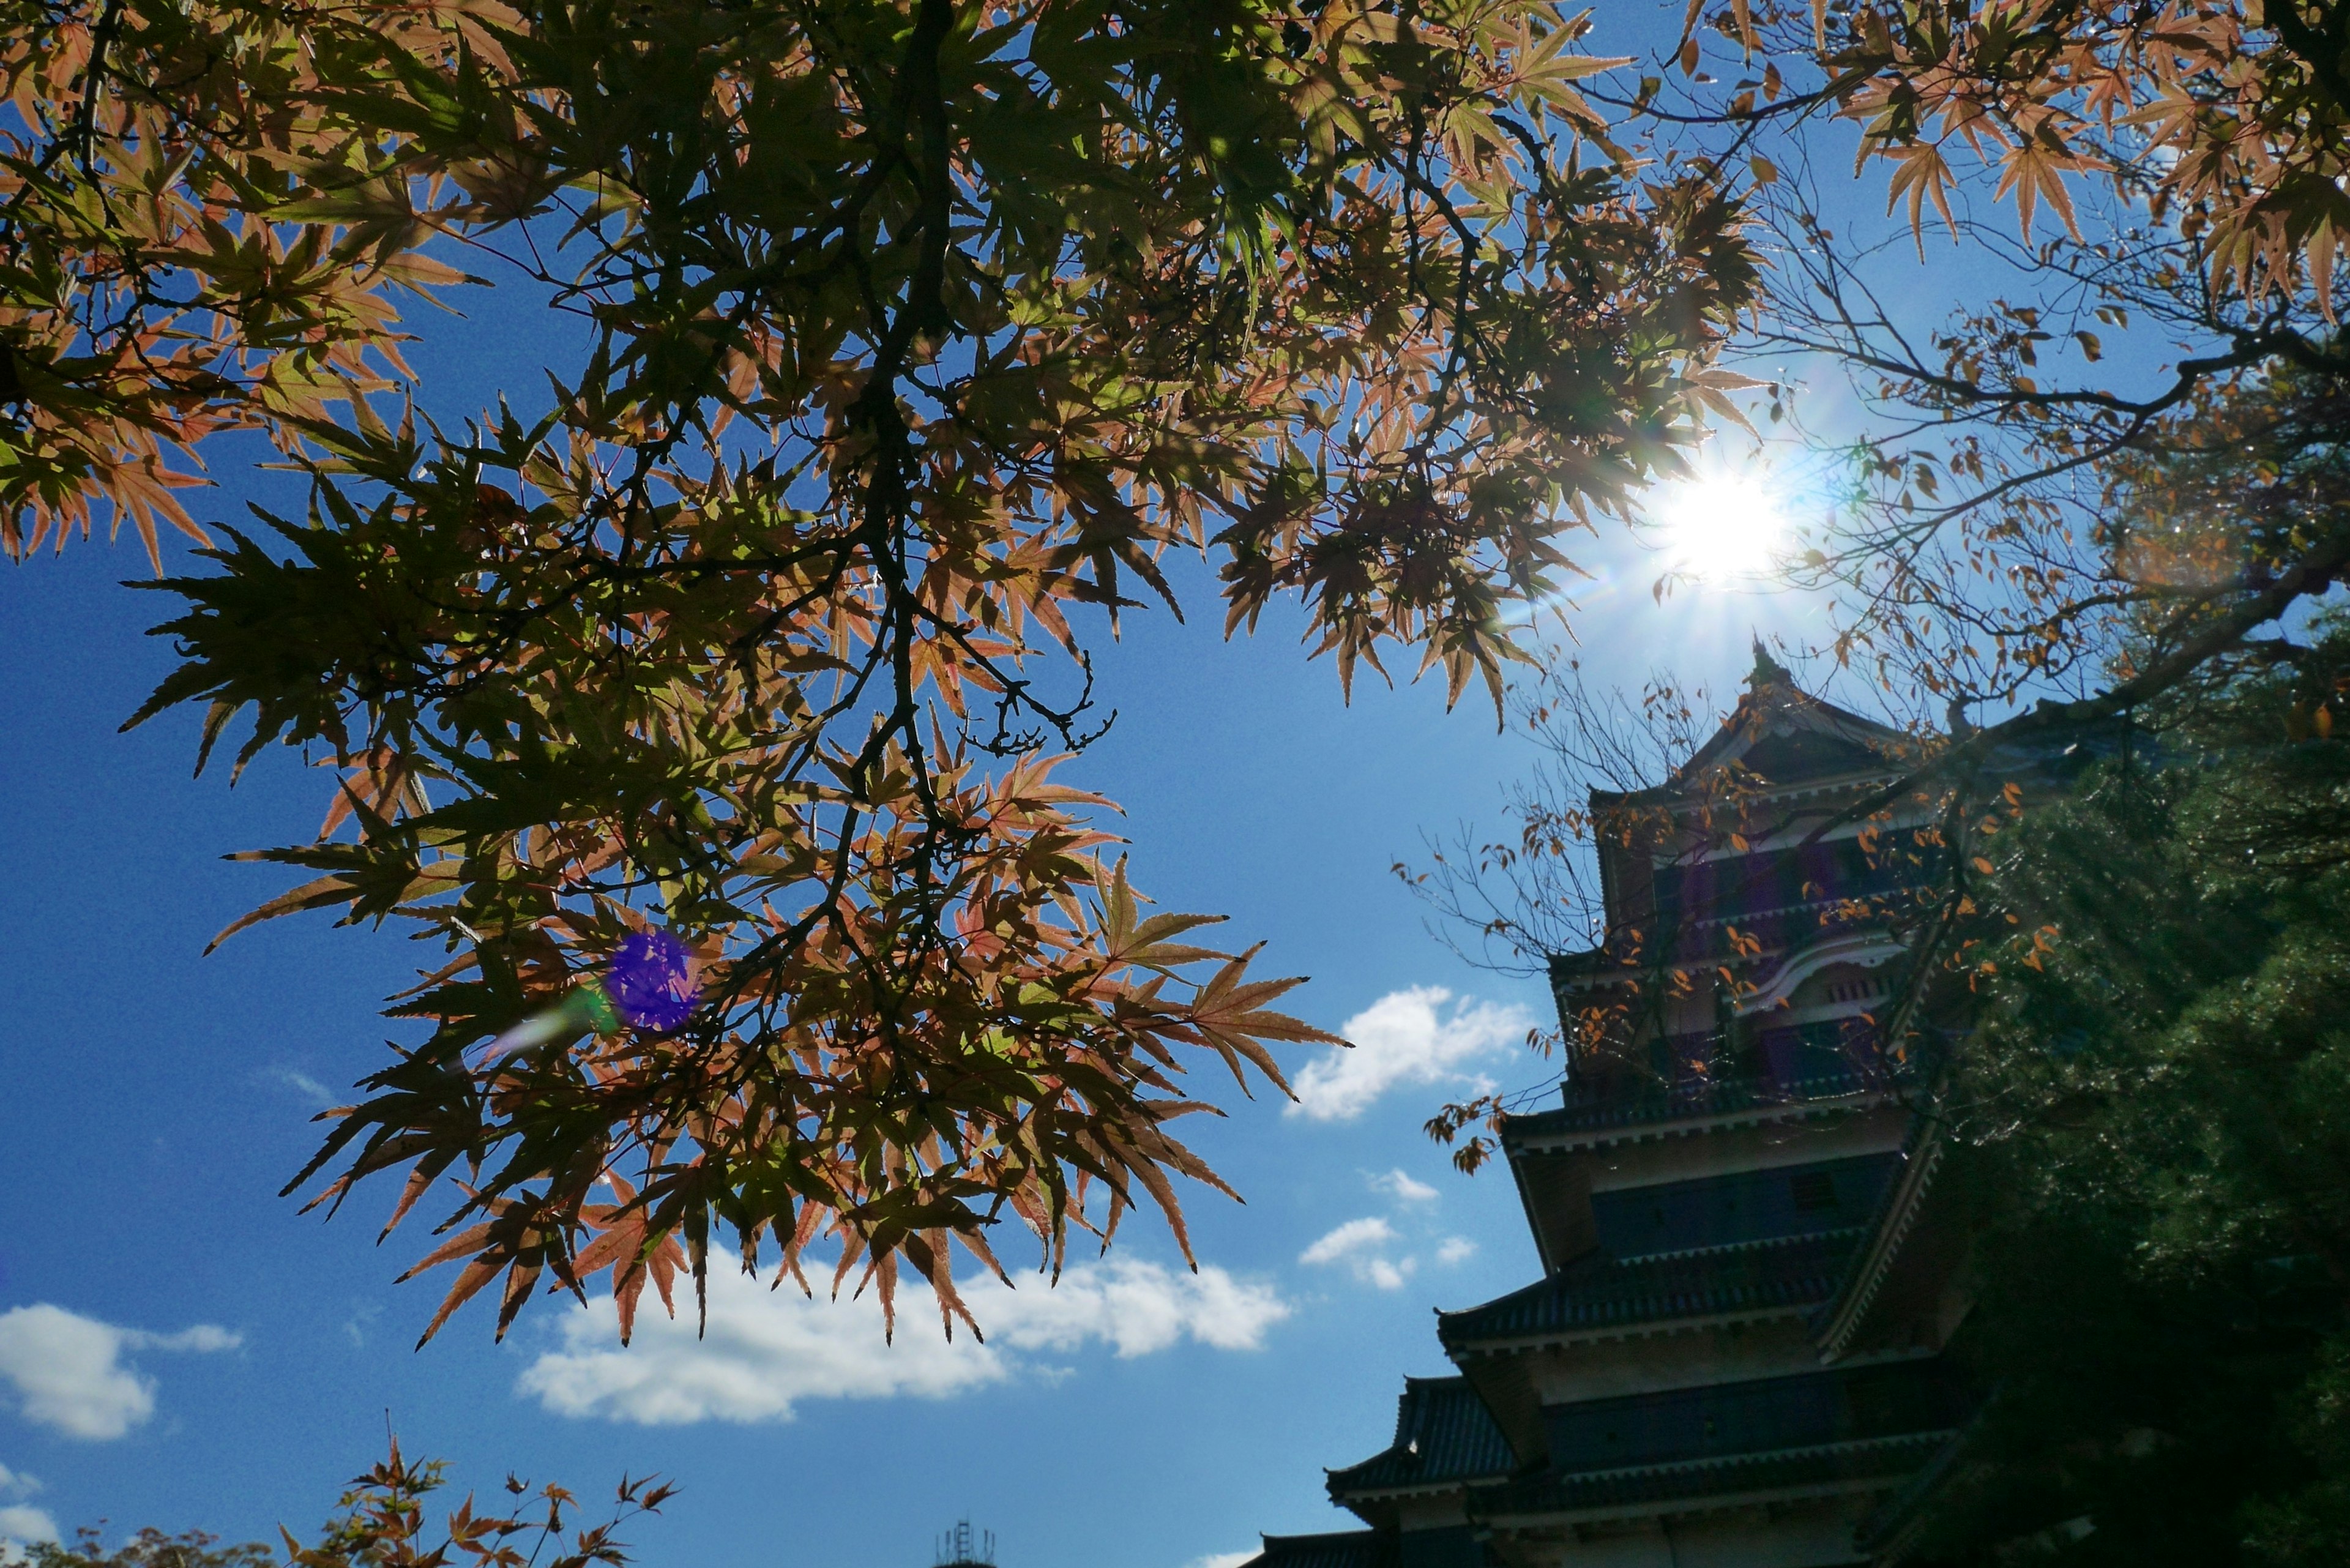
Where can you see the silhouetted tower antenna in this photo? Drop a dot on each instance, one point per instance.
(963, 1547)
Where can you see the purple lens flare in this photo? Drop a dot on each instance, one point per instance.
(651, 980)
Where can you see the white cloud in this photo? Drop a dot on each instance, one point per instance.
(1399, 1186)
(765, 1350)
(1140, 1307)
(1354, 1236)
(21, 1524)
(1456, 1250)
(1224, 1559)
(203, 1337)
(1404, 1038)
(301, 1082)
(1356, 1243)
(362, 1319)
(68, 1373)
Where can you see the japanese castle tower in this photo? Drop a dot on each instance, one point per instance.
(1733, 1358)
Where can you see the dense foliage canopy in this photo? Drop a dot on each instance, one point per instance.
(2109, 490)
(2097, 457)
(909, 337)
(2138, 968)
(2149, 1117)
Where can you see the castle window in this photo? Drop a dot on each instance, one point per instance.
(1814, 1190)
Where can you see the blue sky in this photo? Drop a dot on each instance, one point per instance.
(179, 1348)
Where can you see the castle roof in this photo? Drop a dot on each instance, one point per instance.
(1600, 1295)
(1444, 1435)
(1338, 1549)
(1840, 1391)
(1783, 736)
(1739, 1480)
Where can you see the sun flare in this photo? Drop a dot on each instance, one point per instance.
(1721, 526)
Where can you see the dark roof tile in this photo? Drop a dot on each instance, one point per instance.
(1443, 1433)
(1600, 1293)
(1890, 1460)
(1341, 1549)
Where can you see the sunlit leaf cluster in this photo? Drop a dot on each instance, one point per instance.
(895, 346)
(2146, 201)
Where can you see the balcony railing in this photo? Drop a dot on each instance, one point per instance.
(1614, 1104)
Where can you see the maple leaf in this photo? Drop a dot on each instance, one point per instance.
(761, 629)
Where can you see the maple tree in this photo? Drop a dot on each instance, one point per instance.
(2148, 201)
(2118, 487)
(2110, 473)
(912, 335)
(382, 1524)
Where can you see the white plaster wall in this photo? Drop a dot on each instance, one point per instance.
(1571, 1374)
(1431, 1513)
(1802, 1535)
(1808, 1539)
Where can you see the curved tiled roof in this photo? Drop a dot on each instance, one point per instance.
(1887, 1459)
(1601, 1294)
(1841, 1317)
(1444, 1434)
(1342, 1549)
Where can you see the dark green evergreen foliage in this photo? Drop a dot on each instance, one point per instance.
(2154, 1119)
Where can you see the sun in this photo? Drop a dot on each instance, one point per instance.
(1724, 527)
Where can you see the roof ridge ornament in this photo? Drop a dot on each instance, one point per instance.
(1768, 671)
(1960, 727)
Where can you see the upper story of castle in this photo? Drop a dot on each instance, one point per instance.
(1734, 1126)
(1733, 1117)
(1756, 912)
